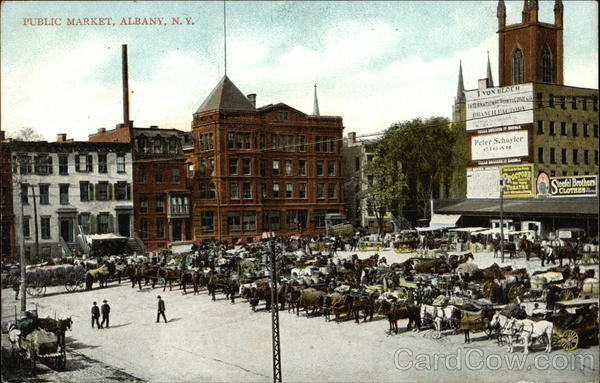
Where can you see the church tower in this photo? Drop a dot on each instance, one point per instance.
(531, 51)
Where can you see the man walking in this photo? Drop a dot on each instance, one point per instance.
(161, 310)
(95, 316)
(105, 309)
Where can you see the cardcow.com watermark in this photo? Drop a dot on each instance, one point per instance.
(476, 359)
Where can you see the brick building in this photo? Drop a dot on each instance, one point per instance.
(7, 217)
(161, 192)
(268, 169)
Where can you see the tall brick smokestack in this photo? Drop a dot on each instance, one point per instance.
(125, 86)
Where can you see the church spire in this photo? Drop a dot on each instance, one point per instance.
(489, 72)
(501, 14)
(316, 104)
(525, 12)
(460, 90)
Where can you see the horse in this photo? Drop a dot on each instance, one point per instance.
(190, 276)
(439, 316)
(563, 250)
(147, 272)
(435, 266)
(508, 247)
(168, 275)
(310, 299)
(57, 327)
(100, 274)
(394, 311)
(529, 331)
(365, 303)
(530, 247)
(500, 323)
(475, 320)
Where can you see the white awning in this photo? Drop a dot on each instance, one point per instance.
(468, 229)
(441, 221)
(491, 231)
(182, 249)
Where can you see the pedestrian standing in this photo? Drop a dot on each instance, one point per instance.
(161, 310)
(95, 315)
(16, 287)
(105, 309)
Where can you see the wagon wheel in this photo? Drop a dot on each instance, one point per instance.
(73, 284)
(36, 289)
(402, 294)
(569, 340)
(515, 292)
(566, 295)
(488, 289)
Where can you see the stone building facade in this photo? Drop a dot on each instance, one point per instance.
(7, 217)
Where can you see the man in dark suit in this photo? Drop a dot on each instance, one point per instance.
(95, 315)
(161, 310)
(105, 309)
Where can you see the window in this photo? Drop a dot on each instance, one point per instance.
(282, 116)
(83, 163)
(541, 155)
(233, 167)
(565, 173)
(564, 156)
(318, 144)
(302, 218)
(563, 102)
(540, 100)
(103, 163)
(249, 221)
(302, 167)
(84, 222)
(302, 143)
(263, 168)
(103, 191)
(331, 191)
(291, 221)
(173, 145)
(563, 128)
(212, 191)
(234, 191)
(160, 228)
(246, 166)
(45, 227)
(175, 175)
(320, 190)
(288, 167)
(552, 155)
(551, 100)
(24, 191)
(44, 194)
(540, 127)
(63, 165)
(575, 156)
(586, 133)
(43, 165)
(332, 145)
(547, 65)
(160, 203)
(158, 175)
(84, 191)
(331, 168)
(319, 168)
(575, 134)
(586, 159)
(275, 190)
(518, 72)
(553, 173)
(207, 220)
(271, 221)
(203, 190)
(120, 163)
(574, 102)
(144, 228)
(595, 103)
(143, 204)
(26, 226)
(291, 146)
(234, 222)
(302, 190)
(289, 190)
(247, 190)
(142, 175)
(158, 145)
(583, 104)
(261, 141)
(238, 141)
(230, 138)
(596, 130)
(64, 194)
(552, 129)
(122, 191)
(320, 219)
(356, 164)
(275, 168)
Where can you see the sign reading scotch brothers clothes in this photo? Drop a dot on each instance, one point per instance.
(519, 181)
(574, 186)
(502, 106)
(500, 145)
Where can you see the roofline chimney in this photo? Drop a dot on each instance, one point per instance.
(125, 85)
(252, 98)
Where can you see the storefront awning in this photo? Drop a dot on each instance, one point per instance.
(468, 229)
(441, 221)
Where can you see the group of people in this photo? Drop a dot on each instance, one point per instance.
(105, 311)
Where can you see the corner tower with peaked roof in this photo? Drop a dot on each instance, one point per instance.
(266, 169)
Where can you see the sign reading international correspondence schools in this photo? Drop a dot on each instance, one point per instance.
(500, 145)
(502, 106)
(520, 181)
(574, 186)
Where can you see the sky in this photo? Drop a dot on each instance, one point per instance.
(374, 62)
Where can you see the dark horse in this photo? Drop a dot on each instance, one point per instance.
(395, 311)
(534, 248)
(57, 327)
(508, 247)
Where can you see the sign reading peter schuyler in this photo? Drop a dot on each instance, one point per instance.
(574, 186)
(500, 145)
(503, 106)
(520, 181)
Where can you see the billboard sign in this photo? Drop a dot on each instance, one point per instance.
(542, 185)
(483, 182)
(501, 106)
(519, 181)
(574, 186)
(493, 146)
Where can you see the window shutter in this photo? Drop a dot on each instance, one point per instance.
(92, 224)
(89, 163)
(128, 191)
(50, 165)
(77, 163)
(81, 194)
(91, 191)
(96, 196)
(111, 224)
(110, 192)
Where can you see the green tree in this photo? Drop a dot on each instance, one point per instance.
(27, 133)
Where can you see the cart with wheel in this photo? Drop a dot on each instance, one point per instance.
(40, 277)
(575, 322)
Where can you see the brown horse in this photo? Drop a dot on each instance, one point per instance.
(145, 272)
(57, 327)
(395, 311)
(168, 275)
(100, 274)
(194, 277)
(534, 248)
(435, 266)
(508, 247)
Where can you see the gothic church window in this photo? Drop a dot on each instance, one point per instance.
(547, 65)
(518, 67)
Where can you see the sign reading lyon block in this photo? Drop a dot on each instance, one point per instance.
(574, 186)
(500, 145)
(520, 181)
(502, 106)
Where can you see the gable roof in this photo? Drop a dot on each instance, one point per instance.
(226, 97)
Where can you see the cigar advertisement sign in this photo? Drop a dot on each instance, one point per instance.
(510, 144)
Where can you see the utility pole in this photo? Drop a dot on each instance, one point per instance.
(503, 182)
(275, 315)
(23, 289)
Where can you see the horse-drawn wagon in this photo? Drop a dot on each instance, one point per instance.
(572, 328)
(406, 241)
(40, 277)
(369, 246)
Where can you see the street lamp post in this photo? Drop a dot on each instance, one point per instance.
(502, 187)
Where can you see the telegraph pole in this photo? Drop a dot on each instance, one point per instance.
(503, 182)
(275, 316)
(23, 289)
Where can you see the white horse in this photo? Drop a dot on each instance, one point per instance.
(439, 316)
(529, 331)
(500, 321)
